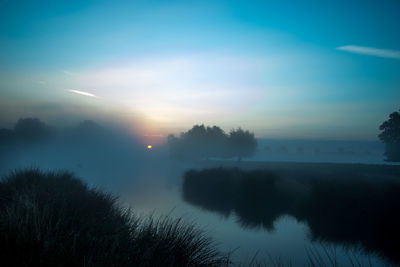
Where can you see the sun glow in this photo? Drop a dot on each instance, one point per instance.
(149, 147)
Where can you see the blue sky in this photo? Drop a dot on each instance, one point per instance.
(285, 69)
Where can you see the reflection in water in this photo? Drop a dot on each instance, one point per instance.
(355, 210)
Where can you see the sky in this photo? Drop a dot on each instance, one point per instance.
(282, 69)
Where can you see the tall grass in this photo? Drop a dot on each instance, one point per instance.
(54, 219)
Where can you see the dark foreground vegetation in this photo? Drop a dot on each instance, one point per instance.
(54, 219)
(352, 209)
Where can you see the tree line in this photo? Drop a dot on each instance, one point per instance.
(203, 142)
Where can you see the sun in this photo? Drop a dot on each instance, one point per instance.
(149, 147)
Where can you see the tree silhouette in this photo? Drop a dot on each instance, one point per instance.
(32, 130)
(391, 136)
(241, 143)
(199, 142)
(205, 142)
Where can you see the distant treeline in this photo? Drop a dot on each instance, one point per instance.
(212, 142)
(35, 131)
(27, 130)
(348, 209)
(32, 142)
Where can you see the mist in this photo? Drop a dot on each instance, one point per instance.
(105, 154)
(156, 179)
(111, 154)
(199, 133)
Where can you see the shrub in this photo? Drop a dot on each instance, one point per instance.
(54, 219)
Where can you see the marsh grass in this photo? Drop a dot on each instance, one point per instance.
(54, 219)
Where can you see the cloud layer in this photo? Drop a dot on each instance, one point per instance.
(370, 51)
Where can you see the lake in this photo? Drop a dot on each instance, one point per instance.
(256, 237)
(256, 227)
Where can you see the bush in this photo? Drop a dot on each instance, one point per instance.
(54, 219)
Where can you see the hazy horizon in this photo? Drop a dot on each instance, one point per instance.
(282, 70)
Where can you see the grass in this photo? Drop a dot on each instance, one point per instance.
(54, 219)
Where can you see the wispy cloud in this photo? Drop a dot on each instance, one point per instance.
(82, 93)
(370, 51)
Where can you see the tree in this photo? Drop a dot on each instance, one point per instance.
(390, 135)
(205, 142)
(241, 143)
(198, 142)
(32, 130)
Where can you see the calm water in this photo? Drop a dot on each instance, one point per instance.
(154, 185)
(159, 191)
